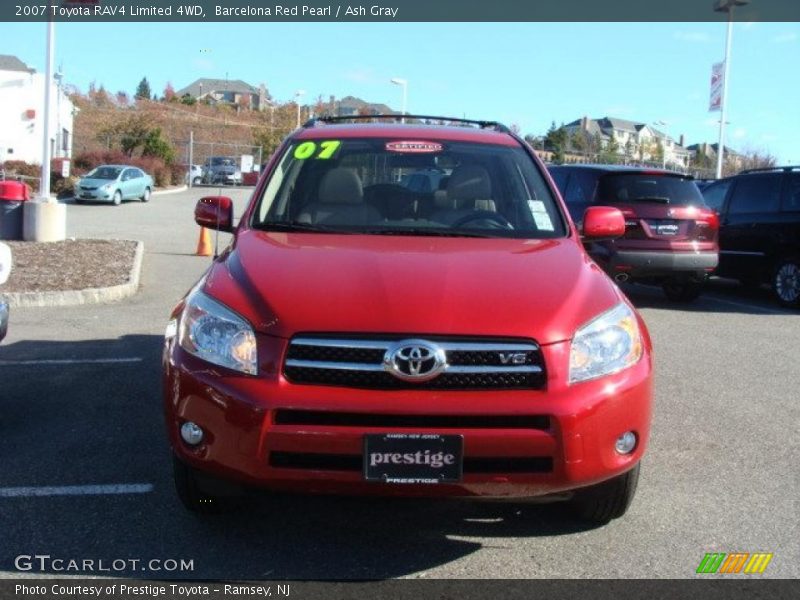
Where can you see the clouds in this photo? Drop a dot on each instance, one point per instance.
(785, 38)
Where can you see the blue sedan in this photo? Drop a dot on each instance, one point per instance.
(114, 183)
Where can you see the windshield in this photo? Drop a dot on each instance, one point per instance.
(403, 187)
(643, 187)
(223, 162)
(104, 173)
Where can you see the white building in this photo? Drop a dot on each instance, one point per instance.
(634, 141)
(22, 114)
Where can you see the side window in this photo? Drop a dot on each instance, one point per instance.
(760, 193)
(791, 201)
(580, 193)
(714, 195)
(126, 175)
(560, 176)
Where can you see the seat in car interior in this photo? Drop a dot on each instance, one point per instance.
(469, 188)
(340, 201)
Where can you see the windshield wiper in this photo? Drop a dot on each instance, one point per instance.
(424, 231)
(660, 199)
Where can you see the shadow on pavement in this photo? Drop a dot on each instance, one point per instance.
(100, 424)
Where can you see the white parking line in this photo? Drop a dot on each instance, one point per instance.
(745, 305)
(76, 490)
(70, 361)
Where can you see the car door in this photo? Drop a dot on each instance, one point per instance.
(138, 183)
(126, 184)
(751, 215)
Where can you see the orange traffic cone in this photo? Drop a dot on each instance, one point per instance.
(204, 243)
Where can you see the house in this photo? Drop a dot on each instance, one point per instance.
(705, 154)
(352, 106)
(224, 91)
(22, 116)
(633, 140)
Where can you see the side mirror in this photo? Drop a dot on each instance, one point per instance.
(215, 212)
(603, 222)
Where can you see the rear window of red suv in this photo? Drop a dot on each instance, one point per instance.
(408, 186)
(632, 188)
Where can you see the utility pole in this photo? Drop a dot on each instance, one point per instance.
(725, 6)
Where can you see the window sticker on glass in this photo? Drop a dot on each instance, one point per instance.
(536, 206)
(413, 147)
(322, 151)
(543, 222)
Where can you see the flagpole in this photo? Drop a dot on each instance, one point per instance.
(724, 103)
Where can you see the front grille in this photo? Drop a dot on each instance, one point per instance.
(354, 462)
(342, 419)
(471, 364)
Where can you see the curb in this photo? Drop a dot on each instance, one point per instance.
(176, 190)
(101, 295)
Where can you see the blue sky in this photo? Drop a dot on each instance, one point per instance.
(524, 73)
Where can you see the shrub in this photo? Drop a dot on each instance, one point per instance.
(153, 166)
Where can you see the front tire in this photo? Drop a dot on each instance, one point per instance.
(117, 199)
(682, 290)
(786, 282)
(192, 488)
(146, 196)
(605, 501)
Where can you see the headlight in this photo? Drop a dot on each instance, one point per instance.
(106, 187)
(607, 344)
(214, 333)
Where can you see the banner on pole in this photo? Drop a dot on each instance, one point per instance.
(717, 82)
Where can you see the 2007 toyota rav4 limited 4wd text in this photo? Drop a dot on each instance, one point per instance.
(361, 337)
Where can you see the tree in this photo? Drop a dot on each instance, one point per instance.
(657, 151)
(169, 93)
(143, 90)
(556, 141)
(610, 151)
(155, 145)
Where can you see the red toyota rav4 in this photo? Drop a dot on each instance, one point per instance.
(361, 337)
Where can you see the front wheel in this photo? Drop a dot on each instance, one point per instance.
(786, 282)
(608, 500)
(146, 196)
(682, 290)
(195, 490)
(117, 199)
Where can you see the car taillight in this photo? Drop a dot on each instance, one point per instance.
(709, 218)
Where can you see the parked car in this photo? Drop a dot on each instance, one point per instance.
(670, 235)
(114, 183)
(759, 235)
(195, 175)
(222, 170)
(5, 270)
(360, 338)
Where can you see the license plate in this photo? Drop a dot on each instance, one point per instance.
(413, 458)
(666, 228)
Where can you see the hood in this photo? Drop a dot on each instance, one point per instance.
(288, 283)
(89, 182)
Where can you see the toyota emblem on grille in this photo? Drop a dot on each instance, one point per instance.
(415, 360)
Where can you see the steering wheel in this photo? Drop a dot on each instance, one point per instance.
(496, 219)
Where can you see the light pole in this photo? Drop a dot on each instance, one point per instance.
(297, 96)
(404, 84)
(725, 6)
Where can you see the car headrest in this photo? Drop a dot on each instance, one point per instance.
(469, 183)
(341, 186)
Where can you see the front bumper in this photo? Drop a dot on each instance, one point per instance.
(246, 443)
(3, 319)
(639, 263)
(94, 195)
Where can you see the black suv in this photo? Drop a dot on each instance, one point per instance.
(759, 234)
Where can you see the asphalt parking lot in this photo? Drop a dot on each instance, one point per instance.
(80, 406)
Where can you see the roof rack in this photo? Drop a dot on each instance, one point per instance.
(765, 169)
(338, 119)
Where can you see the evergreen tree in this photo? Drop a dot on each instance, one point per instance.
(143, 89)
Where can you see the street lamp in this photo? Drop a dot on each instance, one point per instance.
(404, 84)
(725, 6)
(297, 96)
